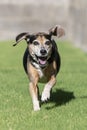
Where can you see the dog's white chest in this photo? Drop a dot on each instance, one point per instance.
(40, 72)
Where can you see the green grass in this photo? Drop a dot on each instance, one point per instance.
(67, 109)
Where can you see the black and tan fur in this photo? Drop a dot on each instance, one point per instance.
(41, 61)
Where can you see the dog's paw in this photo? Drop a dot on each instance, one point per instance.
(36, 106)
(45, 96)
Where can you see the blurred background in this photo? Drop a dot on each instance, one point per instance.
(18, 16)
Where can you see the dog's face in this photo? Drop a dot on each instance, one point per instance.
(40, 44)
(40, 47)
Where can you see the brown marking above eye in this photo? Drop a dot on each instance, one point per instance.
(36, 43)
(47, 42)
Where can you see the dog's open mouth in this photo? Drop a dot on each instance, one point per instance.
(42, 60)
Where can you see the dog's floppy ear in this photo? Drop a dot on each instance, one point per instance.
(21, 37)
(57, 31)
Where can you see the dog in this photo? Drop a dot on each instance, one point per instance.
(41, 61)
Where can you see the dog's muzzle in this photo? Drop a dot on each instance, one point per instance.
(42, 60)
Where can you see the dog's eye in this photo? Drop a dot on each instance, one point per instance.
(47, 43)
(36, 43)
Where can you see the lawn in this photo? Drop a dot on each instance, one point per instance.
(67, 109)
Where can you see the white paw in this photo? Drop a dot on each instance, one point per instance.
(45, 96)
(36, 106)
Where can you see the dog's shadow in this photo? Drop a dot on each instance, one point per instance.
(60, 97)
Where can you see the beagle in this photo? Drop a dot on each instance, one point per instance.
(41, 62)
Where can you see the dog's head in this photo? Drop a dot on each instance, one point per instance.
(40, 44)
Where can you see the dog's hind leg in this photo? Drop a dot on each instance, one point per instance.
(47, 89)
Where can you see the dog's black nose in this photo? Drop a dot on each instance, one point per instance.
(43, 51)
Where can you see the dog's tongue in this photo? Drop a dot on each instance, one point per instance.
(42, 62)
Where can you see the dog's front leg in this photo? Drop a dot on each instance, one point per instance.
(46, 92)
(34, 94)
